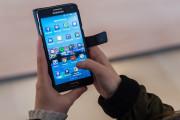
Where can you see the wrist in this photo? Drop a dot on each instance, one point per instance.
(123, 98)
(114, 86)
(57, 109)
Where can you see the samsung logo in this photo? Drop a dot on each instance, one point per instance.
(58, 12)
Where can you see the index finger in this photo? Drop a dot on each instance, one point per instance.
(97, 55)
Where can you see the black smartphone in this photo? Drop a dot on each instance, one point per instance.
(64, 45)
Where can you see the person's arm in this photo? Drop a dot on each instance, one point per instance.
(49, 104)
(132, 102)
(122, 97)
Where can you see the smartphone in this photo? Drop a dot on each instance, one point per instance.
(64, 45)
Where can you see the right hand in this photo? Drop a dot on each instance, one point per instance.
(106, 80)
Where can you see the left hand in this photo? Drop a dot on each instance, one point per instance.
(47, 98)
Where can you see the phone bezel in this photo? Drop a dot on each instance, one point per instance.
(47, 12)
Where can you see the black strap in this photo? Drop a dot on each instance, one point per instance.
(96, 39)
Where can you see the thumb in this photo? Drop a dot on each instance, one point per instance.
(95, 67)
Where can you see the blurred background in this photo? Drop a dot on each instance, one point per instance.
(144, 43)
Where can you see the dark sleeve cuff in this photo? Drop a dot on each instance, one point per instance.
(122, 100)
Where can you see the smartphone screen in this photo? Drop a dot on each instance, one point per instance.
(64, 42)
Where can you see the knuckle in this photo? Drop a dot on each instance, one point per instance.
(86, 62)
(38, 86)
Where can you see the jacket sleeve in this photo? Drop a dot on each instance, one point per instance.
(132, 102)
(46, 115)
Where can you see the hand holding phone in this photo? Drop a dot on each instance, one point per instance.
(47, 98)
(106, 80)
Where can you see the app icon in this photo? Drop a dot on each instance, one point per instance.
(52, 56)
(66, 71)
(52, 51)
(81, 56)
(70, 47)
(47, 29)
(74, 24)
(77, 34)
(58, 73)
(75, 69)
(64, 60)
(68, 36)
(61, 49)
(56, 27)
(66, 48)
(79, 45)
(55, 62)
(50, 40)
(65, 25)
(73, 58)
(59, 38)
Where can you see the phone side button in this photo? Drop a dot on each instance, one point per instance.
(75, 84)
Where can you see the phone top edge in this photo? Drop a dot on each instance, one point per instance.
(37, 9)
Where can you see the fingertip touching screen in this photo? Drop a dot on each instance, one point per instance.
(64, 42)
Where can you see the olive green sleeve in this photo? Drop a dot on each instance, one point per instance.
(148, 106)
(132, 102)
